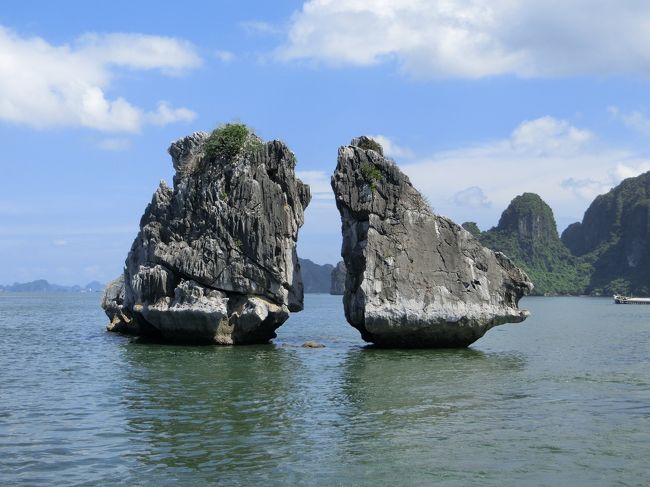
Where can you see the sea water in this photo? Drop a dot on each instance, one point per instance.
(560, 399)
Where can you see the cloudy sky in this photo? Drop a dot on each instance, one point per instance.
(477, 100)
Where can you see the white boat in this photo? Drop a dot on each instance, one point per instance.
(627, 300)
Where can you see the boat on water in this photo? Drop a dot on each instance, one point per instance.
(627, 300)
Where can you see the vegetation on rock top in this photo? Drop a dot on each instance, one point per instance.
(226, 142)
(366, 143)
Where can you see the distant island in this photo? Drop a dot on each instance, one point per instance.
(607, 253)
(322, 279)
(42, 286)
(316, 278)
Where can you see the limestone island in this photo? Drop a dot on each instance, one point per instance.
(215, 259)
(414, 279)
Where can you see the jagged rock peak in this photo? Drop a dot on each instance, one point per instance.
(530, 217)
(215, 259)
(414, 278)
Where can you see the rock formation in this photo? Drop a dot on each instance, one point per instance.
(614, 238)
(337, 285)
(215, 259)
(414, 279)
(527, 234)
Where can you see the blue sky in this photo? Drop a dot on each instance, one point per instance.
(478, 101)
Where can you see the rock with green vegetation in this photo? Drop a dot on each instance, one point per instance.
(614, 238)
(414, 279)
(367, 143)
(215, 259)
(527, 233)
(337, 286)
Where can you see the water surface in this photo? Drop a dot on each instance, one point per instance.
(561, 399)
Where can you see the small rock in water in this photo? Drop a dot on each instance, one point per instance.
(312, 344)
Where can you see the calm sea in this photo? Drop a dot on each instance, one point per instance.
(562, 399)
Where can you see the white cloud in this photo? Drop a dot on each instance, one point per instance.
(60, 242)
(472, 197)
(391, 149)
(166, 114)
(634, 120)
(319, 185)
(475, 38)
(565, 165)
(44, 85)
(624, 171)
(224, 56)
(139, 51)
(114, 144)
(548, 136)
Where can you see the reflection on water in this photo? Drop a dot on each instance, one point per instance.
(563, 398)
(210, 408)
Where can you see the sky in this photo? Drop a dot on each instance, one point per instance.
(477, 101)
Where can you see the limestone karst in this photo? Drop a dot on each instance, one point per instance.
(414, 278)
(215, 259)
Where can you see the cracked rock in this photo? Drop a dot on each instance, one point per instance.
(414, 279)
(215, 259)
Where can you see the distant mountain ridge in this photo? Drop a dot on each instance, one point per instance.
(527, 233)
(607, 253)
(43, 286)
(316, 278)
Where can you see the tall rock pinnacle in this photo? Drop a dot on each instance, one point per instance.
(215, 259)
(414, 279)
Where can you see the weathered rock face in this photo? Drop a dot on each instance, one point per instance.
(338, 279)
(415, 279)
(215, 259)
(614, 238)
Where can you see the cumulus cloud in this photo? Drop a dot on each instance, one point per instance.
(391, 149)
(44, 85)
(566, 165)
(472, 197)
(473, 39)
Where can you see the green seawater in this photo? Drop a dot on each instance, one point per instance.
(562, 399)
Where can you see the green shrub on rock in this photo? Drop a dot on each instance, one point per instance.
(367, 143)
(227, 141)
(370, 172)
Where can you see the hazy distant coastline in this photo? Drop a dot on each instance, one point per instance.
(43, 286)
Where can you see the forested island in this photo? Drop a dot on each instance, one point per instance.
(607, 253)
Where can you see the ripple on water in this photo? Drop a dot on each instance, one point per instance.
(559, 399)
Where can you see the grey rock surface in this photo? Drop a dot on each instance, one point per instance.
(337, 285)
(215, 259)
(415, 279)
